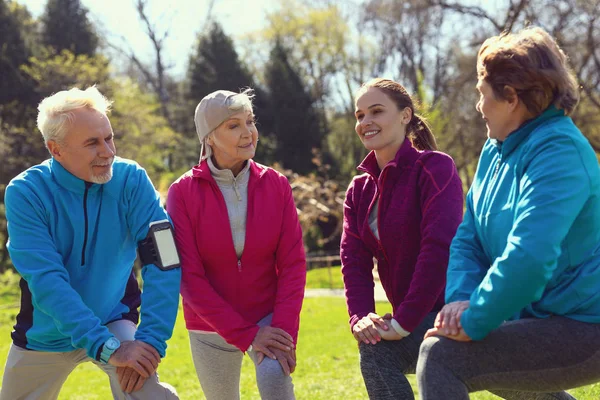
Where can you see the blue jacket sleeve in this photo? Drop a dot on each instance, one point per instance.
(468, 263)
(160, 295)
(37, 260)
(554, 186)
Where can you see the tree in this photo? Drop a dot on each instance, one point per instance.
(297, 123)
(215, 65)
(14, 52)
(66, 27)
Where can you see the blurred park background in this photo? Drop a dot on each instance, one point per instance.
(305, 59)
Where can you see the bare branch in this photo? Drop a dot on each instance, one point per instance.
(158, 43)
(514, 11)
(148, 76)
(467, 10)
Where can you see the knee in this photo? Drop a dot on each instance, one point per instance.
(372, 354)
(154, 389)
(432, 351)
(429, 348)
(372, 350)
(270, 371)
(170, 392)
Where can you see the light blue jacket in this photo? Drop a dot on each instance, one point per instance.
(529, 244)
(74, 244)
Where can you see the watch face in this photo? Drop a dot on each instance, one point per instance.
(112, 344)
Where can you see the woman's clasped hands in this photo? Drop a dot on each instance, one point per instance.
(373, 328)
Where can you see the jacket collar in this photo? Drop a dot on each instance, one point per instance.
(225, 176)
(521, 133)
(70, 181)
(406, 155)
(202, 170)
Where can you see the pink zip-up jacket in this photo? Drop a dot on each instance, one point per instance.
(420, 207)
(222, 293)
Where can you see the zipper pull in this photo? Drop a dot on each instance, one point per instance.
(239, 265)
(497, 168)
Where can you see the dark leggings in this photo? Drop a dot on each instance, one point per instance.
(524, 359)
(383, 365)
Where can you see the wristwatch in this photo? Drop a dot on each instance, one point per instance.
(108, 348)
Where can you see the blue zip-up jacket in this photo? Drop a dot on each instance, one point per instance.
(529, 244)
(74, 244)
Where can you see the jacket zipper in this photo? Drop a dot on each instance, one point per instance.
(492, 183)
(497, 167)
(380, 249)
(239, 265)
(85, 217)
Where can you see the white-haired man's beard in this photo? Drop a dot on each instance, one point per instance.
(104, 177)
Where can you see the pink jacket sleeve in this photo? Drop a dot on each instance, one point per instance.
(357, 265)
(195, 287)
(291, 269)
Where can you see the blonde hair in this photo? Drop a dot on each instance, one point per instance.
(56, 111)
(532, 63)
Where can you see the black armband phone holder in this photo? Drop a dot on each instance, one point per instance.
(159, 247)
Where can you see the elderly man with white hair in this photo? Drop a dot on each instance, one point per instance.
(74, 224)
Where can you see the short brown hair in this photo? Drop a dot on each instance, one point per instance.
(418, 131)
(532, 63)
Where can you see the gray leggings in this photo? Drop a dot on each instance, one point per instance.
(218, 365)
(524, 359)
(383, 365)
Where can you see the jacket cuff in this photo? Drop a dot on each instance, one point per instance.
(474, 330)
(244, 343)
(398, 328)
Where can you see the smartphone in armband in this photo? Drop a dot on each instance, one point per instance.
(159, 246)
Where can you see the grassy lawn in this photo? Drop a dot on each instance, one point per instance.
(325, 278)
(327, 356)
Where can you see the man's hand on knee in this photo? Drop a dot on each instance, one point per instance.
(140, 356)
(129, 379)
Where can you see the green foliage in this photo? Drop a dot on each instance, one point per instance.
(13, 53)
(55, 72)
(296, 121)
(141, 132)
(66, 27)
(344, 146)
(317, 39)
(433, 114)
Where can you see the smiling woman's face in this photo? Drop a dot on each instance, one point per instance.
(379, 123)
(234, 141)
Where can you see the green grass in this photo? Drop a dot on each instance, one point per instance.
(327, 358)
(325, 278)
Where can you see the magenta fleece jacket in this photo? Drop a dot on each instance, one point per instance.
(420, 208)
(222, 293)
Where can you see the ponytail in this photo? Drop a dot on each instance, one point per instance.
(420, 134)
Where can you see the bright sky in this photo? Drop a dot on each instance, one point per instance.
(118, 18)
